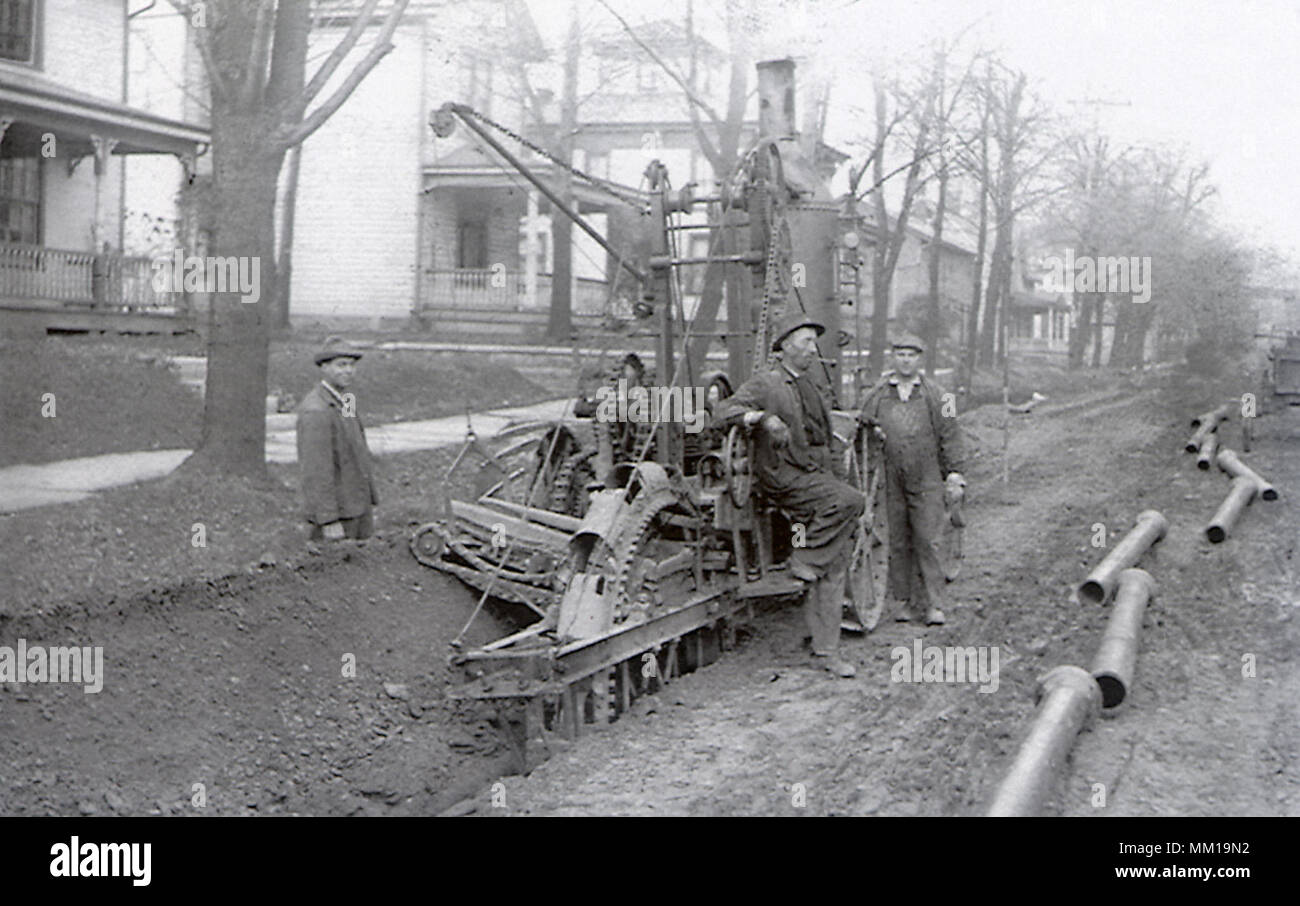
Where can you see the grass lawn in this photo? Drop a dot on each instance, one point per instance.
(115, 394)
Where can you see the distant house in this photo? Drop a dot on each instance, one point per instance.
(1277, 310)
(1040, 311)
(393, 223)
(909, 296)
(66, 134)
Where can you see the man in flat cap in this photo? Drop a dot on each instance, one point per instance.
(922, 450)
(338, 487)
(793, 467)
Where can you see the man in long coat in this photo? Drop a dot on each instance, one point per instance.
(793, 467)
(338, 487)
(923, 458)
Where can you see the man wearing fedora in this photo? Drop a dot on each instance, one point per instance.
(338, 487)
(793, 467)
(922, 452)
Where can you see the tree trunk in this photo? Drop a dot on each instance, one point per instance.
(284, 267)
(1145, 317)
(234, 410)
(981, 243)
(1098, 328)
(934, 314)
(1080, 323)
(994, 309)
(1119, 344)
(559, 324)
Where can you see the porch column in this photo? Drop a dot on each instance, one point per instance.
(104, 287)
(103, 148)
(530, 251)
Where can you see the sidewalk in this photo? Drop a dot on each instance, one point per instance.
(27, 486)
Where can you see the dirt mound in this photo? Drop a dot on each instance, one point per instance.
(245, 686)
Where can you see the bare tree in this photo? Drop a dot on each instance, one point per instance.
(1021, 146)
(254, 55)
(951, 98)
(1136, 200)
(894, 105)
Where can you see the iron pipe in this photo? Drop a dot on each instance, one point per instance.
(1116, 658)
(1242, 493)
(1206, 424)
(1194, 442)
(1213, 417)
(1229, 463)
(1099, 585)
(1068, 699)
(1209, 446)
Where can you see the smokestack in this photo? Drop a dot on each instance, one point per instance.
(776, 118)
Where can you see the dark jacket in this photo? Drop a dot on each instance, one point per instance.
(775, 393)
(946, 430)
(333, 459)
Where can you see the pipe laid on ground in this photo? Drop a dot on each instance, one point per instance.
(1242, 493)
(1205, 456)
(1229, 463)
(1099, 585)
(1116, 658)
(1206, 424)
(1068, 698)
(1213, 417)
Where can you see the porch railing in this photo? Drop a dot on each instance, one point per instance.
(118, 282)
(484, 288)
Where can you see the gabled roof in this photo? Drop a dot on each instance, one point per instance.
(953, 239)
(661, 34)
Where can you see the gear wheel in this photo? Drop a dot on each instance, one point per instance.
(624, 562)
(569, 490)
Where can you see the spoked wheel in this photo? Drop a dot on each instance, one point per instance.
(736, 463)
(868, 570)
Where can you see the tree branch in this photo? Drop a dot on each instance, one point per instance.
(340, 52)
(217, 86)
(287, 138)
(258, 52)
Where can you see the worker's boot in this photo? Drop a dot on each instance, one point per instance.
(902, 610)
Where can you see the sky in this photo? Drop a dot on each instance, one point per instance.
(1218, 78)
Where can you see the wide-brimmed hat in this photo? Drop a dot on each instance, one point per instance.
(908, 341)
(336, 348)
(792, 321)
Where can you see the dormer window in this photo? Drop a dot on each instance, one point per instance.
(18, 30)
